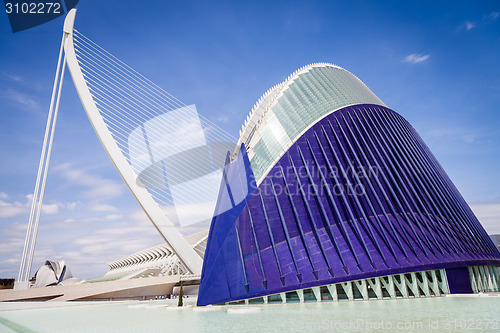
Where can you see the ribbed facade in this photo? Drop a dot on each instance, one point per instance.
(357, 195)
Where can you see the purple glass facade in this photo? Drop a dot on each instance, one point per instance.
(358, 195)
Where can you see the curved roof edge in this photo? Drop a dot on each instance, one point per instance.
(160, 251)
(266, 100)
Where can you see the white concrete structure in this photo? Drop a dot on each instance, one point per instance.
(159, 260)
(189, 258)
(52, 273)
(146, 288)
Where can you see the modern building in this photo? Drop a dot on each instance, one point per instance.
(334, 195)
(51, 274)
(328, 195)
(158, 260)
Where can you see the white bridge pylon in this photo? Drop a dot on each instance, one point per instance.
(41, 179)
(169, 156)
(172, 236)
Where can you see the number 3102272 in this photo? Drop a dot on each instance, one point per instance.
(33, 8)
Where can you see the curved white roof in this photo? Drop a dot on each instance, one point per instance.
(51, 273)
(290, 108)
(158, 257)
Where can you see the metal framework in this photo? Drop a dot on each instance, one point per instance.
(189, 258)
(168, 155)
(410, 285)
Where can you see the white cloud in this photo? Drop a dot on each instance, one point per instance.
(416, 58)
(223, 119)
(489, 216)
(11, 244)
(103, 208)
(457, 134)
(118, 241)
(87, 237)
(139, 216)
(98, 187)
(11, 261)
(107, 189)
(112, 217)
(50, 208)
(14, 77)
(12, 209)
(8, 209)
(23, 100)
(3, 196)
(71, 205)
(469, 25)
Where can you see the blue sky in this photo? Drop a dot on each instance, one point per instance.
(435, 62)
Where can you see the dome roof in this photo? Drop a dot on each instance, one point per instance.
(288, 109)
(51, 273)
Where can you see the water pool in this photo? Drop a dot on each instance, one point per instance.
(424, 314)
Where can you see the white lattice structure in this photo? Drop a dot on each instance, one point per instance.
(160, 258)
(157, 260)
